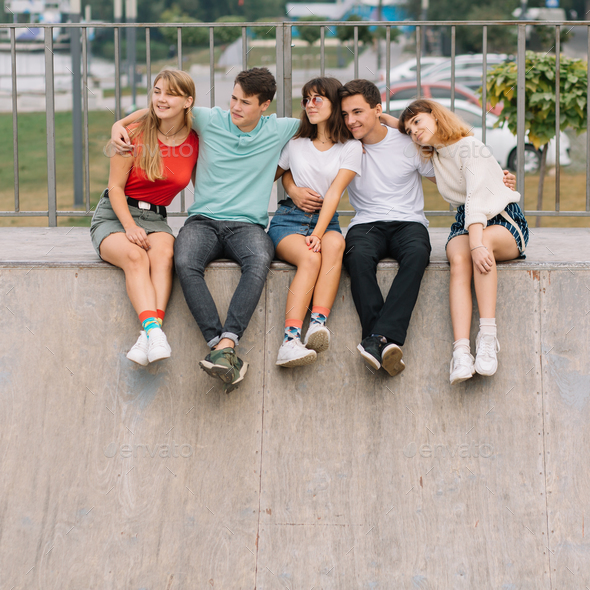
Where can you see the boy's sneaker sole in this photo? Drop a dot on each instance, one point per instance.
(229, 387)
(219, 371)
(391, 359)
(369, 357)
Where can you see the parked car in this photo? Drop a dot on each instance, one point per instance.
(407, 90)
(407, 69)
(501, 141)
(468, 69)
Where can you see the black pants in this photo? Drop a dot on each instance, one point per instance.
(367, 243)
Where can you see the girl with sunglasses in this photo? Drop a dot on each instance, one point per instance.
(324, 157)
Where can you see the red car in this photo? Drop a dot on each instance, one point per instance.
(434, 90)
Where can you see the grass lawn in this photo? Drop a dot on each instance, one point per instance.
(303, 58)
(33, 175)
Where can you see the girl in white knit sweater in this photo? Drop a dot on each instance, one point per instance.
(489, 226)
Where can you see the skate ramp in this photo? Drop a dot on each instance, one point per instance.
(332, 476)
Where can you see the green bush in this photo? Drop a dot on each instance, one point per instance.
(310, 34)
(191, 37)
(106, 50)
(226, 35)
(347, 33)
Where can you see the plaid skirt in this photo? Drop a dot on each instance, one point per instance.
(513, 210)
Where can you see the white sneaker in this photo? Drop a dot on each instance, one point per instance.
(158, 347)
(461, 366)
(294, 354)
(139, 351)
(317, 337)
(486, 346)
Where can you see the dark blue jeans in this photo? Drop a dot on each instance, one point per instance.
(202, 240)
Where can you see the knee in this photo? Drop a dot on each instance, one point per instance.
(184, 261)
(163, 258)
(333, 248)
(259, 263)
(137, 260)
(461, 264)
(417, 258)
(311, 262)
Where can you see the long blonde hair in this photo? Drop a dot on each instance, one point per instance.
(147, 156)
(449, 126)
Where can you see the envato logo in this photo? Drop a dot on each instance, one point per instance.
(463, 451)
(185, 150)
(157, 450)
(470, 150)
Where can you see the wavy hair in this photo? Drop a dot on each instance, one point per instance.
(335, 126)
(449, 126)
(147, 154)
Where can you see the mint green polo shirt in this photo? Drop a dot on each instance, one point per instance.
(236, 170)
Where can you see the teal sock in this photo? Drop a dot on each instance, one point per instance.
(149, 324)
(291, 332)
(318, 318)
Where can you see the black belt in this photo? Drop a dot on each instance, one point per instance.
(144, 205)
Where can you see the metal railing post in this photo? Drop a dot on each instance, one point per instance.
(14, 121)
(50, 123)
(288, 71)
(520, 105)
(280, 52)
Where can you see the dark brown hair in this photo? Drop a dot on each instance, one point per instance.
(257, 82)
(335, 126)
(449, 126)
(366, 89)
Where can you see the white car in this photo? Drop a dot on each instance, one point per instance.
(468, 69)
(501, 141)
(407, 69)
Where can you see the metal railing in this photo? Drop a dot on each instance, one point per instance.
(284, 75)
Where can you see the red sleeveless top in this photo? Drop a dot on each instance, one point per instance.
(178, 162)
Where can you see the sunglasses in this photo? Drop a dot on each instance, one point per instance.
(316, 101)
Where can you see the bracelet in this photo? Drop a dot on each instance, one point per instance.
(476, 247)
(315, 236)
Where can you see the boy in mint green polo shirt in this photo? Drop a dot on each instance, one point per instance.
(238, 156)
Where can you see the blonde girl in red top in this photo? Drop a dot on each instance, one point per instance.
(129, 227)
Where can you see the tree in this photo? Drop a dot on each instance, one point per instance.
(227, 35)
(190, 37)
(309, 33)
(540, 99)
(347, 33)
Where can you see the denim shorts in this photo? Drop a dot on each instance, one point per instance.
(515, 212)
(105, 222)
(289, 219)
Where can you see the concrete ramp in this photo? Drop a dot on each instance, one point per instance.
(114, 476)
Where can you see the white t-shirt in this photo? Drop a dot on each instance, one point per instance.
(317, 170)
(390, 184)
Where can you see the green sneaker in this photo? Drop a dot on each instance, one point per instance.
(239, 372)
(220, 363)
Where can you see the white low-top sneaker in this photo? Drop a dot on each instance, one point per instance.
(317, 337)
(139, 351)
(294, 354)
(461, 367)
(486, 346)
(158, 347)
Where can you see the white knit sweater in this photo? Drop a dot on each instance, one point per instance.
(467, 173)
